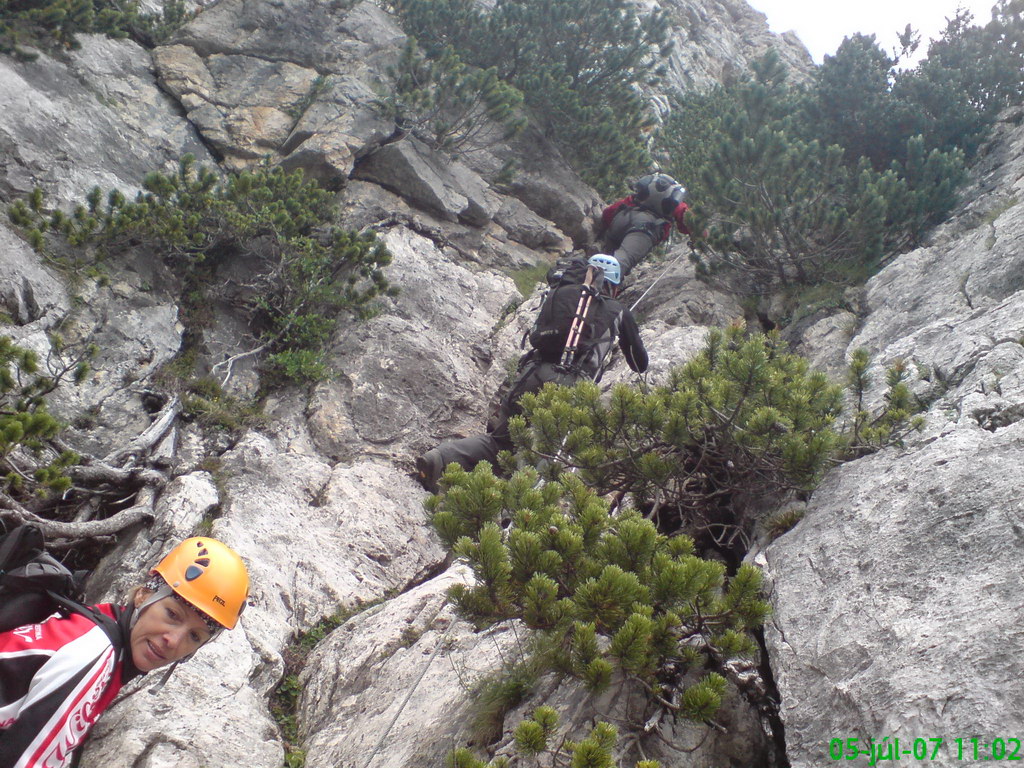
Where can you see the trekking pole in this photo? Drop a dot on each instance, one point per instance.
(576, 329)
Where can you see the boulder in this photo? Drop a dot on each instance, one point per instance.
(253, 93)
(428, 180)
(242, 105)
(895, 599)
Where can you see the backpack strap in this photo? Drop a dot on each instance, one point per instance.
(540, 304)
(98, 617)
(650, 224)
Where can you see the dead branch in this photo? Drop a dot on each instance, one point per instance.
(99, 473)
(52, 529)
(230, 362)
(149, 437)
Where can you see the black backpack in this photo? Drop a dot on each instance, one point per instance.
(34, 585)
(551, 328)
(568, 270)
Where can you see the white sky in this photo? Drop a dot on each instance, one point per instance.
(822, 25)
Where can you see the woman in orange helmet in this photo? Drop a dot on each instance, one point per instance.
(58, 676)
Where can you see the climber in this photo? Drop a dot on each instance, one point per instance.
(58, 676)
(633, 226)
(606, 321)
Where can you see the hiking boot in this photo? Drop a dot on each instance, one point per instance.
(429, 469)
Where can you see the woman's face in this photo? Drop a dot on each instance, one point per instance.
(167, 631)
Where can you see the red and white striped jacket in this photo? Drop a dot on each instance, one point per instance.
(56, 678)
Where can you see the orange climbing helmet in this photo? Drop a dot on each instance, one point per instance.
(208, 575)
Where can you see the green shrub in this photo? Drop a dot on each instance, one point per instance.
(453, 107)
(784, 204)
(306, 275)
(742, 418)
(823, 182)
(57, 22)
(205, 401)
(578, 66)
(526, 279)
(897, 417)
(607, 592)
(533, 741)
(498, 694)
(26, 426)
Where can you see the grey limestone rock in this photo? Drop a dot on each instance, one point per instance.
(390, 687)
(32, 295)
(94, 119)
(896, 596)
(416, 370)
(427, 180)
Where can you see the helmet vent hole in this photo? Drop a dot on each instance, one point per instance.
(203, 561)
(192, 573)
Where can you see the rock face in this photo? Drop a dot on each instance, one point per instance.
(716, 40)
(97, 119)
(870, 635)
(894, 596)
(389, 687)
(402, 383)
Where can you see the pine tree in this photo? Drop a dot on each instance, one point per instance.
(868, 432)
(787, 190)
(30, 466)
(581, 67)
(778, 205)
(851, 102)
(533, 740)
(306, 274)
(611, 595)
(57, 22)
(453, 107)
(970, 74)
(743, 418)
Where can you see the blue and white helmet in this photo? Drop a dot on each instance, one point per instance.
(607, 264)
(659, 193)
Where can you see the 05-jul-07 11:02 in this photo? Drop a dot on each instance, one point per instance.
(973, 749)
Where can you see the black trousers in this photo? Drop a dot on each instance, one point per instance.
(533, 375)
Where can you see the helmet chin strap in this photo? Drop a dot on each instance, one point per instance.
(159, 594)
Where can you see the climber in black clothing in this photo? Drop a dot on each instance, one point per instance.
(606, 322)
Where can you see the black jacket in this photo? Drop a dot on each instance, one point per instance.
(607, 321)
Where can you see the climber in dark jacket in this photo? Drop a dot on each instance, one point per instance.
(609, 322)
(633, 226)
